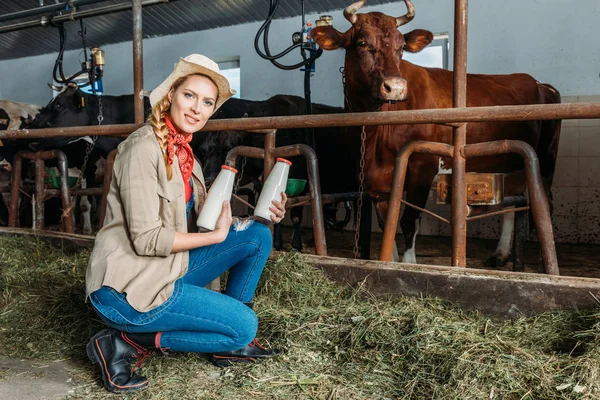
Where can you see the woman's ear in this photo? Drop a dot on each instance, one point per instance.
(170, 95)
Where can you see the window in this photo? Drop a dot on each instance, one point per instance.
(434, 56)
(231, 70)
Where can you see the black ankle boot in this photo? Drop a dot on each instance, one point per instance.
(149, 341)
(249, 353)
(113, 351)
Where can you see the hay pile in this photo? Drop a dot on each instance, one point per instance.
(342, 343)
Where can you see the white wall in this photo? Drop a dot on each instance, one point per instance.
(553, 40)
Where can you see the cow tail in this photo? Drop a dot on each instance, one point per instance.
(548, 143)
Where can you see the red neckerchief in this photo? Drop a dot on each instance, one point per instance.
(185, 156)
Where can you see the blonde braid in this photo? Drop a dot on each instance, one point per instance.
(157, 121)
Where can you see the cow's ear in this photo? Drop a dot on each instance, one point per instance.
(417, 40)
(329, 38)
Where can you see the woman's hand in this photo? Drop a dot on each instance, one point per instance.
(224, 221)
(278, 209)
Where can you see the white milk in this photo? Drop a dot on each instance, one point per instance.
(219, 191)
(275, 184)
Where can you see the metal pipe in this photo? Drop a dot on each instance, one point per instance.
(138, 63)
(40, 195)
(244, 151)
(269, 159)
(391, 221)
(313, 180)
(44, 21)
(71, 131)
(40, 191)
(538, 200)
(325, 198)
(45, 9)
(499, 212)
(509, 201)
(13, 208)
(65, 195)
(314, 184)
(459, 138)
(425, 211)
(440, 116)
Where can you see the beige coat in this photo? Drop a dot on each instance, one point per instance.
(132, 251)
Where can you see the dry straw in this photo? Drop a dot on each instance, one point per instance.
(342, 343)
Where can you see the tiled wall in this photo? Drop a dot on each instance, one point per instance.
(576, 189)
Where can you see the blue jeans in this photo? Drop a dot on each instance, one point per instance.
(194, 318)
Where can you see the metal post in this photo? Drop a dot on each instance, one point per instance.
(138, 63)
(540, 208)
(391, 222)
(269, 161)
(314, 185)
(459, 99)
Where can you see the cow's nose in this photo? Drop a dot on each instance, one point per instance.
(393, 89)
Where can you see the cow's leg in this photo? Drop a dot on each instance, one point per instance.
(520, 236)
(86, 209)
(408, 222)
(500, 256)
(420, 175)
(296, 216)
(381, 208)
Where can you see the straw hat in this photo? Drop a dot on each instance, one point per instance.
(195, 64)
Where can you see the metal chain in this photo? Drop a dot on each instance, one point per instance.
(346, 101)
(91, 145)
(236, 186)
(361, 175)
(361, 179)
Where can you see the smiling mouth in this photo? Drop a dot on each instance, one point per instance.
(191, 120)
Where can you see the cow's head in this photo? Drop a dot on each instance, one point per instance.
(68, 108)
(374, 48)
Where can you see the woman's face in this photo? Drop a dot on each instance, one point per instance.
(192, 103)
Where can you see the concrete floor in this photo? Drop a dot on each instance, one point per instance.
(31, 380)
(573, 259)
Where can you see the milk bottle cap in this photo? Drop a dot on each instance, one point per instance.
(288, 162)
(235, 171)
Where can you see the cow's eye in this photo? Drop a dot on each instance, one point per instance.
(57, 106)
(361, 43)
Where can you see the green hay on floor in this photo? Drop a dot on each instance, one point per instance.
(342, 342)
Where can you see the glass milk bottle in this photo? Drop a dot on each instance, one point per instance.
(219, 191)
(274, 185)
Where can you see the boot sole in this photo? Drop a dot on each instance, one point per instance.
(96, 358)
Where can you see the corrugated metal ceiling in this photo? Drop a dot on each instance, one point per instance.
(159, 20)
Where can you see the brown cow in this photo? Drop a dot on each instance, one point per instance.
(377, 78)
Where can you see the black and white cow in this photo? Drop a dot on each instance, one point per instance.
(73, 107)
(13, 115)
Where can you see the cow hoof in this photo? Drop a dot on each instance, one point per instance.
(277, 246)
(495, 261)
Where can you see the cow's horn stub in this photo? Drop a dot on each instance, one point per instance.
(352, 9)
(54, 87)
(406, 18)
